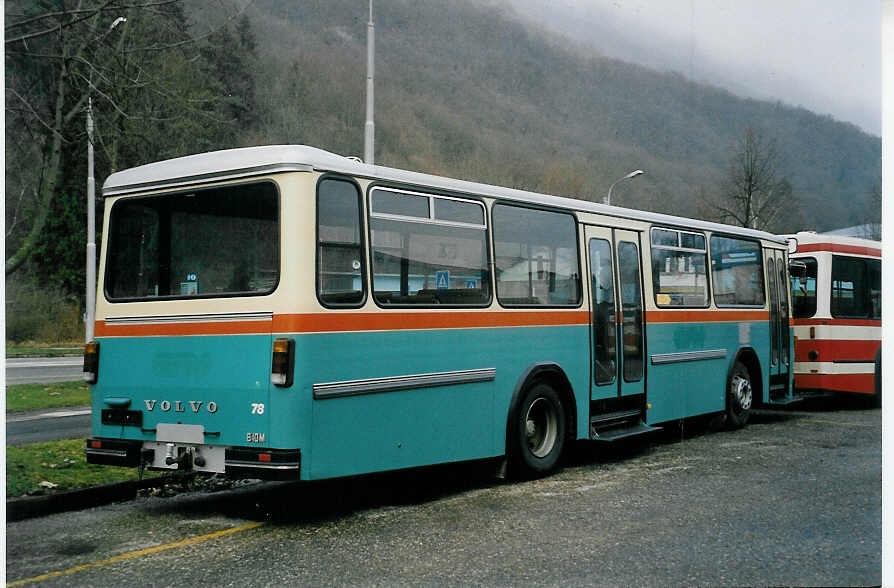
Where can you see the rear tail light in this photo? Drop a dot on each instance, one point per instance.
(283, 369)
(91, 362)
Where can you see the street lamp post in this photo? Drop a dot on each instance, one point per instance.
(633, 174)
(369, 131)
(91, 229)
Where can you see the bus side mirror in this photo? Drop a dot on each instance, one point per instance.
(798, 269)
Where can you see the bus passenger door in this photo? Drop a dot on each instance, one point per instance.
(616, 332)
(780, 361)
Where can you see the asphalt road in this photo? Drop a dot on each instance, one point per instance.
(44, 370)
(48, 425)
(793, 499)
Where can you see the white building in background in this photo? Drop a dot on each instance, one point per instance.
(868, 231)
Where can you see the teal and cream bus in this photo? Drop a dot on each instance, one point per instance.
(282, 312)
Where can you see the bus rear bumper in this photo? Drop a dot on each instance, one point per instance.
(115, 452)
(238, 462)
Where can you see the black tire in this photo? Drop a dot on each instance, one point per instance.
(537, 432)
(739, 396)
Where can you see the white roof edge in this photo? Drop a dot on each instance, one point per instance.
(810, 238)
(252, 161)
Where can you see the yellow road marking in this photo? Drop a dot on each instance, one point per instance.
(135, 554)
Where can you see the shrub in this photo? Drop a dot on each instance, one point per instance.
(43, 315)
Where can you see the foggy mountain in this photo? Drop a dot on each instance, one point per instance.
(474, 90)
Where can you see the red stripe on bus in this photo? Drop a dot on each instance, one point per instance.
(856, 383)
(837, 248)
(831, 350)
(833, 322)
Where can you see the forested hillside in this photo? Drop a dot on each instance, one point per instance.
(469, 90)
(465, 89)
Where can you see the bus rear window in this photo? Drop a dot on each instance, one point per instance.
(215, 242)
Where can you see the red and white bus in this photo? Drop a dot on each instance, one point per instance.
(837, 314)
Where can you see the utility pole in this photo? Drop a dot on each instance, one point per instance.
(368, 155)
(91, 229)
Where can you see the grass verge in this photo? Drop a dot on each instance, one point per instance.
(22, 397)
(31, 349)
(53, 466)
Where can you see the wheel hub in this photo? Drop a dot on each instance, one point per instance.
(541, 424)
(742, 390)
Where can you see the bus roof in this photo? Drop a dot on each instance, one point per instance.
(253, 161)
(811, 238)
(808, 241)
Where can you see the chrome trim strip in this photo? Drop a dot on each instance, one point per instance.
(665, 358)
(377, 385)
(108, 452)
(262, 466)
(191, 318)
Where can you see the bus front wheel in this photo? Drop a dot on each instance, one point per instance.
(739, 396)
(538, 431)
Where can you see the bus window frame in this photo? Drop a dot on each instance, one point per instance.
(195, 190)
(709, 293)
(865, 262)
(363, 231)
(577, 240)
(431, 194)
(763, 270)
(816, 267)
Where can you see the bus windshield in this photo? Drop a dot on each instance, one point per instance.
(215, 242)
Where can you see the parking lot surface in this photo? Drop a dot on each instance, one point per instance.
(794, 498)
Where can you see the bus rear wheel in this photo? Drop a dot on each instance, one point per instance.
(739, 397)
(537, 435)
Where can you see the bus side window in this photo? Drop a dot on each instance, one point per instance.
(536, 257)
(679, 268)
(340, 262)
(850, 288)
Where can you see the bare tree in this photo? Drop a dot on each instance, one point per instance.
(752, 194)
(134, 58)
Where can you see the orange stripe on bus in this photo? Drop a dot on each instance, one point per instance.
(102, 329)
(332, 322)
(705, 316)
(350, 321)
(394, 321)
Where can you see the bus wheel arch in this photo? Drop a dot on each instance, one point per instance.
(541, 420)
(743, 388)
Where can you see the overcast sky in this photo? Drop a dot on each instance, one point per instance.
(824, 55)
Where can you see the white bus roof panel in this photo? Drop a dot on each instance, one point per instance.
(253, 161)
